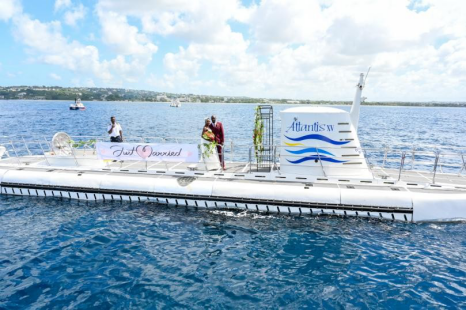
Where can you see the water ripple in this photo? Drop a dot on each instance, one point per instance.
(60, 253)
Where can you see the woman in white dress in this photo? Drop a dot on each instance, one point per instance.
(209, 155)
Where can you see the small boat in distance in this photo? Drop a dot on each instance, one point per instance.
(175, 103)
(78, 105)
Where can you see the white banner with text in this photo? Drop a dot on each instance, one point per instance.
(148, 151)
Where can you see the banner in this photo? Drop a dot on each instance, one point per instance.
(148, 152)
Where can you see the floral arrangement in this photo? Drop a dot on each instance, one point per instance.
(81, 144)
(208, 135)
(211, 145)
(258, 134)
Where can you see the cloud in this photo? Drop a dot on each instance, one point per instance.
(204, 25)
(124, 38)
(143, 7)
(61, 4)
(274, 48)
(288, 22)
(47, 44)
(315, 49)
(55, 76)
(74, 15)
(8, 8)
(200, 21)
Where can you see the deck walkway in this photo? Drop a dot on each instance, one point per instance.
(408, 176)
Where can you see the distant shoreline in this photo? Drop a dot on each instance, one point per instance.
(323, 103)
(88, 94)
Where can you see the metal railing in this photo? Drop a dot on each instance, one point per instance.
(25, 152)
(403, 158)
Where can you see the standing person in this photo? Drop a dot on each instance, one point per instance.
(114, 130)
(217, 129)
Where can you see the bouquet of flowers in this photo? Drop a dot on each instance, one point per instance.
(211, 145)
(208, 135)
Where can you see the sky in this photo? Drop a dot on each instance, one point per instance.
(298, 49)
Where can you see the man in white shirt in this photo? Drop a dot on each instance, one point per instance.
(114, 131)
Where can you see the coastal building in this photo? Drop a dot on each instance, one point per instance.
(162, 98)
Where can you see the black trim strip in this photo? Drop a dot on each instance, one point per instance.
(215, 199)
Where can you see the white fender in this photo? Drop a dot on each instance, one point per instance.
(439, 206)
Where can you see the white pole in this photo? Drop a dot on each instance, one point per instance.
(354, 114)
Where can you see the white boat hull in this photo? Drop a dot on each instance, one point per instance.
(380, 202)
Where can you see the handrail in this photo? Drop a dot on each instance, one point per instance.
(435, 167)
(25, 143)
(399, 146)
(40, 145)
(415, 157)
(16, 154)
(393, 148)
(402, 163)
(320, 161)
(250, 158)
(385, 157)
(463, 167)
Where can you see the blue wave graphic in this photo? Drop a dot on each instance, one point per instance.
(318, 137)
(314, 157)
(310, 150)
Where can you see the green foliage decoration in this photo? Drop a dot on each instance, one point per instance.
(258, 134)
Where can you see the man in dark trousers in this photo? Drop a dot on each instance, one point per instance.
(217, 129)
(114, 130)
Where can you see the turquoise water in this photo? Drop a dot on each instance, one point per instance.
(69, 254)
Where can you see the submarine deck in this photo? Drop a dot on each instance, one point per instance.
(236, 169)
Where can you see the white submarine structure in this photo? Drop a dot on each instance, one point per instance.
(318, 168)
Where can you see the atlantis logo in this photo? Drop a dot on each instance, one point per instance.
(297, 126)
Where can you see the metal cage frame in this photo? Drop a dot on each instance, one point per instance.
(265, 158)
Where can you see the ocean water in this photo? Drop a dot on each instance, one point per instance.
(58, 254)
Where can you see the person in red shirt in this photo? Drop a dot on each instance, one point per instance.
(217, 129)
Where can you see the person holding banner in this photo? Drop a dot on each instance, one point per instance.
(115, 131)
